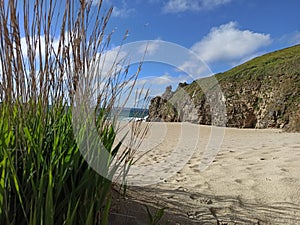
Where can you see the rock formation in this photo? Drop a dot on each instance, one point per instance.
(261, 93)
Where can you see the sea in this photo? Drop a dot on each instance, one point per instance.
(128, 114)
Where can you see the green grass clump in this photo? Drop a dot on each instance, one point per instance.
(45, 179)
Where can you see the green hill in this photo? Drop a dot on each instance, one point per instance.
(261, 93)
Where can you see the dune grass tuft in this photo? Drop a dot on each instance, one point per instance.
(46, 47)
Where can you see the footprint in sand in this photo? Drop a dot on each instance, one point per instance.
(247, 182)
(194, 167)
(201, 200)
(182, 189)
(181, 179)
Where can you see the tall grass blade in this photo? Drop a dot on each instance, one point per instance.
(49, 207)
(89, 218)
(71, 216)
(44, 178)
(105, 216)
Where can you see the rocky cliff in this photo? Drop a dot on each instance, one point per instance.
(261, 93)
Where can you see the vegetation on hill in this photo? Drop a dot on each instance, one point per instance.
(261, 93)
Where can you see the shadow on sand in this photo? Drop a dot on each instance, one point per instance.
(201, 209)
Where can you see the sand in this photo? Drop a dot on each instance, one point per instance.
(254, 177)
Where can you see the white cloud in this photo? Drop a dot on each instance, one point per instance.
(122, 12)
(42, 39)
(208, 4)
(227, 43)
(158, 84)
(195, 69)
(175, 6)
(149, 48)
(156, 80)
(152, 86)
(111, 61)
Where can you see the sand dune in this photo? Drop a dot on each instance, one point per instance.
(254, 178)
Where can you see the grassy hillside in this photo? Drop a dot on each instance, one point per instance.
(263, 92)
(278, 62)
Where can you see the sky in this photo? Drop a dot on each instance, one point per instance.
(222, 33)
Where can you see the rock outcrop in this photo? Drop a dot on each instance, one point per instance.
(261, 93)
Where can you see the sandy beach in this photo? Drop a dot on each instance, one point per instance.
(253, 179)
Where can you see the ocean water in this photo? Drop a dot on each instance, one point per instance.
(127, 114)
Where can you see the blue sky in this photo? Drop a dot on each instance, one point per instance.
(223, 33)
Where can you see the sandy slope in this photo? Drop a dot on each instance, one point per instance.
(254, 178)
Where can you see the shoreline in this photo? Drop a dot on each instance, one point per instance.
(236, 128)
(282, 130)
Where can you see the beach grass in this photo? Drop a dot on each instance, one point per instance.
(44, 177)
